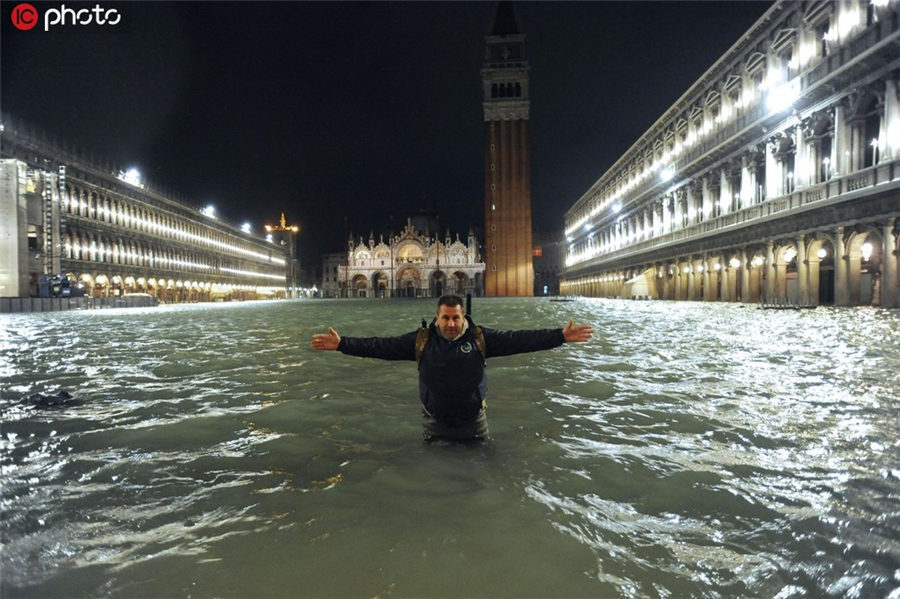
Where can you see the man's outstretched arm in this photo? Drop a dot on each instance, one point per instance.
(385, 348)
(507, 343)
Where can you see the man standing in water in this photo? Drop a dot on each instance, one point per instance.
(451, 353)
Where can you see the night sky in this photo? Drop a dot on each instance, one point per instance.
(343, 115)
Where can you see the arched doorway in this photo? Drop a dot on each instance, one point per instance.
(458, 283)
(380, 284)
(864, 261)
(408, 281)
(359, 286)
(820, 256)
(437, 283)
(101, 285)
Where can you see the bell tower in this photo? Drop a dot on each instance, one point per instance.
(507, 181)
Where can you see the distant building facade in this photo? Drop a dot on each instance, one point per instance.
(331, 270)
(507, 192)
(410, 264)
(107, 234)
(775, 178)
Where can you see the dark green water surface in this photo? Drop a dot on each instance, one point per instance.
(689, 450)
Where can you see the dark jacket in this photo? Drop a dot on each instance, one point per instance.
(452, 379)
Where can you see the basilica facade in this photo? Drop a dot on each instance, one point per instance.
(411, 264)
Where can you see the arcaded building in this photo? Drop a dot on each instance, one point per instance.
(412, 263)
(775, 178)
(109, 235)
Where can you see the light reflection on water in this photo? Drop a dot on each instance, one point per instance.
(689, 450)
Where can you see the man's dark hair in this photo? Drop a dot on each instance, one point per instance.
(451, 301)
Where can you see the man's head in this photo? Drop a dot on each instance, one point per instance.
(450, 316)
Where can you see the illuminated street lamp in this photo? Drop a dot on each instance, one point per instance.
(866, 251)
(285, 234)
(132, 176)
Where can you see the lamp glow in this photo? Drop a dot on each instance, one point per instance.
(667, 173)
(782, 97)
(866, 251)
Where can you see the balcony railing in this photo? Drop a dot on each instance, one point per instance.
(835, 190)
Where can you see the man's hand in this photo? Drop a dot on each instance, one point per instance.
(329, 342)
(580, 333)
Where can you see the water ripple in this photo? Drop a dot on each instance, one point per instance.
(690, 450)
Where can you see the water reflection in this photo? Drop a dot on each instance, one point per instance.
(690, 450)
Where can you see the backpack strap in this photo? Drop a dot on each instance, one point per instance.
(421, 340)
(479, 341)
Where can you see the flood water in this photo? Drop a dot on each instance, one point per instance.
(689, 450)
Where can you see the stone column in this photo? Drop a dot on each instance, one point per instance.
(813, 280)
(773, 173)
(889, 283)
(681, 291)
(802, 272)
(770, 272)
(781, 281)
(746, 295)
(840, 270)
(891, 122)
(854, 272)
(707, 281)
(801, 160)
(840, 148)
(690, 282)
(715, 283)
(726, 295)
